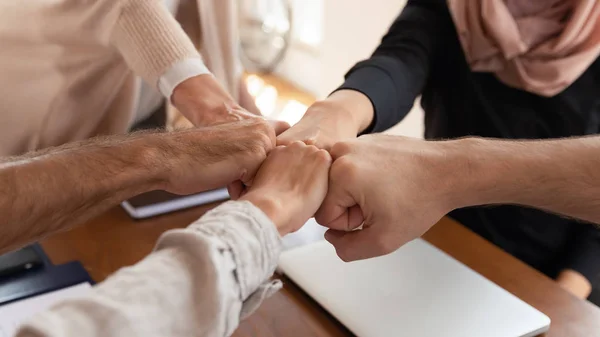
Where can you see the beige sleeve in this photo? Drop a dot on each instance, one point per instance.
(200, 281)
(150, 39)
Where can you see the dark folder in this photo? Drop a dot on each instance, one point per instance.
(42, 281)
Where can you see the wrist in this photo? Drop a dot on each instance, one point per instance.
(444, 169)
(272, 208)
(486, 172)
(467, 178)
(353, 106)
(202, 99)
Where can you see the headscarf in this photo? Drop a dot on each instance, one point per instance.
(540, 46)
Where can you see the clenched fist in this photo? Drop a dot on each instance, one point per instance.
(291, 185)
(206, 158)
(392, 186)
(341, 116)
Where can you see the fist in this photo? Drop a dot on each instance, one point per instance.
(339, 117)
(211, 157)
(391, 186)
(291, 185)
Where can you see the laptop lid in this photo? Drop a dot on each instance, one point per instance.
(418, 291)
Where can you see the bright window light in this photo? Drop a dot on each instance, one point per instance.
(254, 84)
(266, 100)
(292, 112)
(308, 21)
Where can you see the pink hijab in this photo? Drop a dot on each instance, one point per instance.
(541, 46)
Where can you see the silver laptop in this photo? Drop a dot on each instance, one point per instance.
(418, 291)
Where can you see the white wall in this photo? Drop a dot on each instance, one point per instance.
(352, 30)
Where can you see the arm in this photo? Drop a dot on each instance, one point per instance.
(58, 188)
(433, 178)
(398, 69)
(559, 176)
(187, 287)
(380, 91)
(202, 280)
(156, 48)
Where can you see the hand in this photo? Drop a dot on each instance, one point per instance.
(206, 158)
(290, 185)
(575, 283)
(341, 116)
(204, 102)
(393, 186)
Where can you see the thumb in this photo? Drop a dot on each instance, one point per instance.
(343, 207)
(356, 245)
(279, 126)
(339, 210)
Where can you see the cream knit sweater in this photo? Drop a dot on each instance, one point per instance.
(66, 66)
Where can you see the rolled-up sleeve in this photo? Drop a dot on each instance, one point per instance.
(200, 281)
(398, 69)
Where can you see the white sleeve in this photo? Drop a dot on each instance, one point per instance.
(199, 281)
(179, 72)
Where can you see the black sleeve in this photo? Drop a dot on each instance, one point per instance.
(584, 254)
(397, 71)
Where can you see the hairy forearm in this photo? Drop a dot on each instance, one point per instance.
(560, 176)
(55, 189)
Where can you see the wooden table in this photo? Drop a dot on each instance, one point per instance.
(114, 240)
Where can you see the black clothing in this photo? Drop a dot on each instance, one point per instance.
(421, 54)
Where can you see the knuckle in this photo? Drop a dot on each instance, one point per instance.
(341, 148)
(323, 156)
(313, 137)
(278, 151)
(310, 148)
(266, 128)
(259, 124)
(262, 122)
(344, 169)
(295, 145)
(311, 140)
(261, 145)
(266, 140)
(262, 133)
